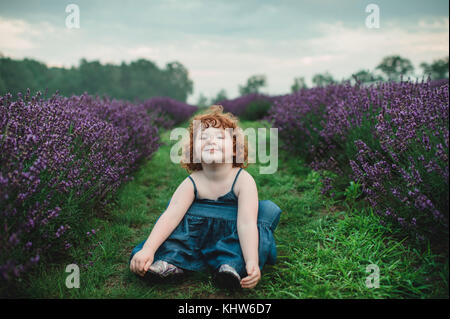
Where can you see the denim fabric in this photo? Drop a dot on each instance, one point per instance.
(207, 236)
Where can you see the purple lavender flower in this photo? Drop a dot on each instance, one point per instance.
(391, 137)
(79, 148)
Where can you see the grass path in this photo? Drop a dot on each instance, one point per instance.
(324, 247)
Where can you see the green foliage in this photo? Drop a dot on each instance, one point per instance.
(221, 96)
(323, 79)
(256, 110)
(353, 192)
(140, 79)
(365, 76)
(436, 70)
(254, 83)
(202, 101)
(395, 66)
(299, 83)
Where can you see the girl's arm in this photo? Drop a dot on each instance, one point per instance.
(169, 220)
(248, 229)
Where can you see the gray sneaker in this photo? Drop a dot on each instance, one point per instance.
(163, 269)
(227, 277)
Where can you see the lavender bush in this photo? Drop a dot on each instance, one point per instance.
(390, 137)
(300, 117)
(172, 111)
(240, 106)
(61, 153)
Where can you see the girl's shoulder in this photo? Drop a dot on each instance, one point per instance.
(243, 180)
(196, 174)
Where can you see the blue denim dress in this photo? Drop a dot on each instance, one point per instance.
(207, 235)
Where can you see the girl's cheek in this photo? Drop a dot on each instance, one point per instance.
(198, 144)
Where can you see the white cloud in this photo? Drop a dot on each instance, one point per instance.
(13, 34)
(339, 50)
(430, 23)
(223, 62)
(151, 53)
(20, 38)
(365, 47)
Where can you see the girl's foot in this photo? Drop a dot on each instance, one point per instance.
(227, 277)
(161, 269)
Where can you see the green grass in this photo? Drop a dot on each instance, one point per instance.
(323, 246)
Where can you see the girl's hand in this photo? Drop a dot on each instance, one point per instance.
(141, 261)
(254, 275)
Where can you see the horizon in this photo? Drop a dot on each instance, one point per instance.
(223, 44)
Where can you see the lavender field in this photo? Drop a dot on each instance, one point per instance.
(380, 148)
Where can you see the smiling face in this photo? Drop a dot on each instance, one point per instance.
(215, 145)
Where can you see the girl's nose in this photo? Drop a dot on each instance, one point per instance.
(211, 144)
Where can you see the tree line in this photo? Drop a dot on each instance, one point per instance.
(142, 79)
(391, 68)
(138, 80)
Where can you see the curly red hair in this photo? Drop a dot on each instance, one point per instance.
(215, 117)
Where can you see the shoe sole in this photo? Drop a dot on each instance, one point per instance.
(227, 280)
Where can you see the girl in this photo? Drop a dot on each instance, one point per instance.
(214, 219)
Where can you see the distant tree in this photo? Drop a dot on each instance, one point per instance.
(299, 83)
(365, 76)
(202, 101)
(2, 87)
(221, 96)
(38, 70)
(395, 66)
(178, 77)
(16, 77)
(436, 70)
(92, 76)
(323, 79)
(254, 83)
(139, 80)
(66, 81)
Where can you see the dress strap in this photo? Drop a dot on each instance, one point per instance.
(232, 187)
(195, 187)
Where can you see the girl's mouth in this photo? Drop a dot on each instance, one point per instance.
(212, 150)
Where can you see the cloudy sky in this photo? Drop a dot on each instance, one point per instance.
(222, 43)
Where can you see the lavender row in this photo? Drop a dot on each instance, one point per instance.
(390, 137)
(61, 152)
(239, 105)
(174, 111)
